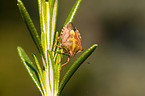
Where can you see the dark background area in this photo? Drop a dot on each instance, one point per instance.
(116, 68)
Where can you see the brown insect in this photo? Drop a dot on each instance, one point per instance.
(71, 41)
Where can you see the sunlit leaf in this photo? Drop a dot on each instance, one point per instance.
(28, 22)
(72, 12)
(30, 68)
(30, 26)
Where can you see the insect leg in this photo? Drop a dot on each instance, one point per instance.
(58, 46)
(59, 39)
(65, 63)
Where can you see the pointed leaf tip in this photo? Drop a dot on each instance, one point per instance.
(19, 1)
(73, 11)
(95, 44)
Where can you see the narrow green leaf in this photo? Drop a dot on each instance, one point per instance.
(37, 64)
(72, 12)
(51, 5)
(39, 71)
(47, 25)
(40, 14)
(30, 26)
(51, 70)
(44, 46)
(28, 22)
(44, 80)
(43, 41)
(41, 7)
(57, 58)
(57, 72)
(74, 67)
(53, 22)
(30, 68)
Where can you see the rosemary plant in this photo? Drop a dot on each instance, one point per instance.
(47, 79)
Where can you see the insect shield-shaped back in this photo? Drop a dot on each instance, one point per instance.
(71, 40)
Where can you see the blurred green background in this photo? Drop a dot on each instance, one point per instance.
(116, 68)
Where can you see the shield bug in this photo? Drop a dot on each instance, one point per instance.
(71, 41)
